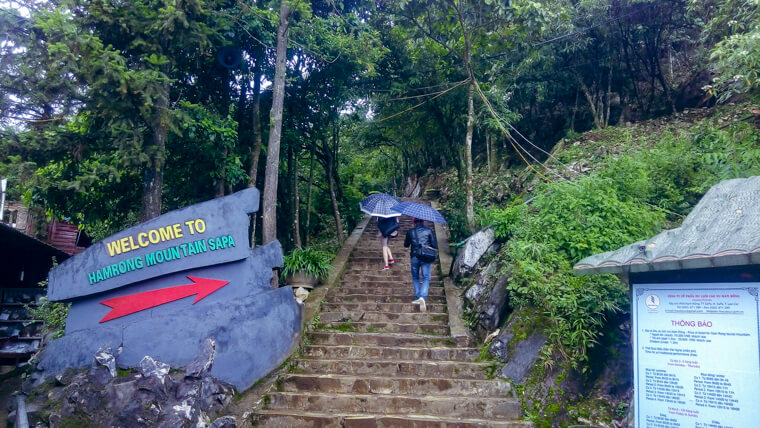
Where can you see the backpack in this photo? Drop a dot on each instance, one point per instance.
(387, 226)
(425, 253)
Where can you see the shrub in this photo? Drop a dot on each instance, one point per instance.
(307, 260)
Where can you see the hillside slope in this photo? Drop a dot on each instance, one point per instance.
(565, 343)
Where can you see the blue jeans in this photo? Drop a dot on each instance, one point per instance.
(420, 290)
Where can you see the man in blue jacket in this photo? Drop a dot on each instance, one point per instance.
(416, 237)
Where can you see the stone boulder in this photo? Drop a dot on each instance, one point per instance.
(204, 361)
(494, 308)
(487, 299)
(153, 395)
(468, 257)
(518, 346)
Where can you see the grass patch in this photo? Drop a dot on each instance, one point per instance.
(492, 369)
(124, 372)
(345, 327)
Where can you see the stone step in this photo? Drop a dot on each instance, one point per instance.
(353, 269)
(384, 291)
(390, 353)
(383, 276)
(402, 280)
(399, 298)
(398, 368)
(297, 418)
(394, 274)
(439, 328)
(382, 307)
(398, 386)
(324, 337)
(376, 255)
(447, 407)
(396, 269)
(372, 251)
(374, 316)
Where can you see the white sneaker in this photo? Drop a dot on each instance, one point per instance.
(416, 302)
(423, 307)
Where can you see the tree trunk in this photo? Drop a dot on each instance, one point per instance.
(253, 170)
(609, 92)
(307, 232)
(631, 73)
(333, 198)
(575, 111)
(665, 88)
(469, 210)
(220, 184)
(494, 154)
(256, 124)
(590, 98)
(469, 206)
(296, 199)
(154, 173)
(269, 211)
(488, 153)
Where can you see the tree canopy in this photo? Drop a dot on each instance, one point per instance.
(116, 111)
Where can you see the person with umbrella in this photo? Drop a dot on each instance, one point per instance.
(379, 205)
(423, 246)
(416, 238)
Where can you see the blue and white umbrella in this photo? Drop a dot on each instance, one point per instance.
(424, 212)
(379, 204)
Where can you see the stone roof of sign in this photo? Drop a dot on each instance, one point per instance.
(722, 230)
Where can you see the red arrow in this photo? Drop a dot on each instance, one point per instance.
(129, 304)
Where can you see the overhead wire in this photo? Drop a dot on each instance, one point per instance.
(423, 102)
(584, 29)
(422, 95)
(511, 139)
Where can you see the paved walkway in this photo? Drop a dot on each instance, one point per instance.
(374, 360)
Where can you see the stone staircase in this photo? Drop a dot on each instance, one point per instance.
(374, 360)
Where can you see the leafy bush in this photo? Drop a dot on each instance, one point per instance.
(307, 260)
(736, 23)
(631, 196)
(564, 223)
(52, 314)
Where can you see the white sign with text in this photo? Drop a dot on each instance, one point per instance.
(696, 355)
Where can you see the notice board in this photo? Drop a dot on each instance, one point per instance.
(696, 355)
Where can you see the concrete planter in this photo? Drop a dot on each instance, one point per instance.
(301, 279)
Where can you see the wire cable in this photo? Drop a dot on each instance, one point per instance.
(511, 139)
(417, 105)
(420, 96)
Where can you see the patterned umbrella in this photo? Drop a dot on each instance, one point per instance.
(424, 212)
(379, 204)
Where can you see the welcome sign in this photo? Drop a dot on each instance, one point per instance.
(162, 287)
(205, 234)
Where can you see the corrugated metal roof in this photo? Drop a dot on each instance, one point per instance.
(722, 230)
(16, 242)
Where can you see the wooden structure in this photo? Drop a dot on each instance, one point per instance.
(24, 263)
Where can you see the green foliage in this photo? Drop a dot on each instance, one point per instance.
(631, 196)
(307, 260)
(53, 314)
(736, 57)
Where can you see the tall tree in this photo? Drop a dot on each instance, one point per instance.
(464, 33)
(269, 202)
(126, 59)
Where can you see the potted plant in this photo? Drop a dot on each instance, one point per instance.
(304, 266)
